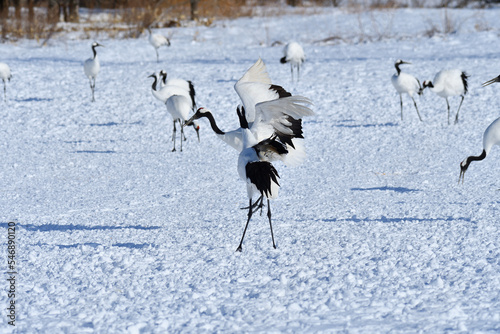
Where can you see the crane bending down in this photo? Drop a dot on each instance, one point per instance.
(406, 83)
(491, 137)
(91, 68)
(270, 130)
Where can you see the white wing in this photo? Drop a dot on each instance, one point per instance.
(283, 118)
(254, 87)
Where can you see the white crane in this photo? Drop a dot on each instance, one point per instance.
(254, 86)
(157, 41)
(448, 83)
(5, 75)
(406, 84)
(491, 136)
(177, 105)
(281, 117)
(270, 129)
(91, 67)
(185, 84)
(293, 54)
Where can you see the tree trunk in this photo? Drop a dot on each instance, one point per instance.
(17, 6)
(194, 9)
(31, 11)
(73, 11)
(4, 9)
(53, 11)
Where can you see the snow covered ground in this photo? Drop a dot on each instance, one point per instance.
(116, 234)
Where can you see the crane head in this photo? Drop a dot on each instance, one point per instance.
(463, 168)
(201, 112)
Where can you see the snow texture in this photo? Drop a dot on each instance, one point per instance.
(374, 234)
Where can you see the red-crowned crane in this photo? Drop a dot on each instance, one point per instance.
(5, 75)
(270, 129)
(294, 55)
(491, 136)
(185, 84)
(406, 84)
(449, 83)
(176, 107)
(91, 67)
(157, 41)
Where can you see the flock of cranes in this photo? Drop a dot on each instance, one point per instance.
(446, 83)
(270, 117)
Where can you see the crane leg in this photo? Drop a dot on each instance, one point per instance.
(182, 134)
(157, 56)
(456, 117)
(4, 92)
(401, 103)
(448, 104)
(270, 225)
(291, 69)
(250, 212)
(415, 103)
(92, 88)
(173, 137)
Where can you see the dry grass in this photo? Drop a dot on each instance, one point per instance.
(131, 21)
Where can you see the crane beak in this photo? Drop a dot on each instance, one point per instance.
(461, 177)
(189, 122)
(489, 82)
(198, 132)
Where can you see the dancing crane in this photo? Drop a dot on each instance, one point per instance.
(448, 83)
(270, 129)
(92, 67)
(406, 83)
(293, 54)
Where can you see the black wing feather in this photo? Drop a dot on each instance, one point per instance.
(261, 174)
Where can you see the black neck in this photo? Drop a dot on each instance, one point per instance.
(164, 78)
(212, 123)
(153, 87)
(397, 68)
(474, 158)
(93, 50)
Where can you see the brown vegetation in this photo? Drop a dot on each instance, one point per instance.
(41, 19)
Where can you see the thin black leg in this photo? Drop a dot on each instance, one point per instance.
(250, 212)
(173, 137)
(401, 103)
(448, 104)
(270, 225)
(456, 117)
(415, 103)
(182, 134)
